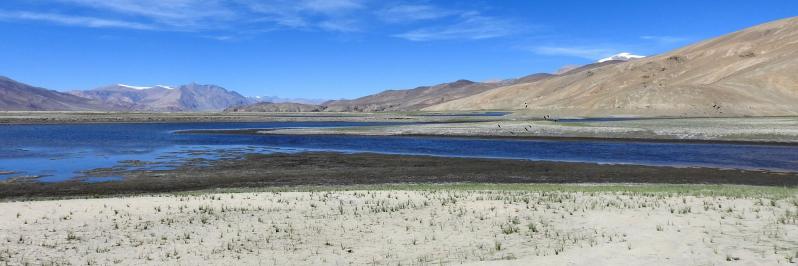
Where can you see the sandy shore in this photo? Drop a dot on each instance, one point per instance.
(404, 227)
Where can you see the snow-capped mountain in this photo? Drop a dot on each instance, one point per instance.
(621, 57)
(190, 97)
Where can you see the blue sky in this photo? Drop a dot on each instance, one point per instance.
(342, 48)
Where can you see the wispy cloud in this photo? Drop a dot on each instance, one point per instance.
(471, 26)
(169, 14)
(587, 52)
(90, 22)
(202, 15)
(413, 13)
(340, 25)
(229, 18)
(330, 6)
(597, 49)
(333, 15)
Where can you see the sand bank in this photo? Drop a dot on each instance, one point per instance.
(407, 227)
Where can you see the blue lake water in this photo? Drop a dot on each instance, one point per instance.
(60, 152)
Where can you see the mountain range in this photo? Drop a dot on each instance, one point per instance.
(751, 72)
(190, 97)
(395, 100)
(412, 99)
(15, 96)
(276, 107)
(277, 99)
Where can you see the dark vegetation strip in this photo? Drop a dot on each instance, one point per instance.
(335, 169)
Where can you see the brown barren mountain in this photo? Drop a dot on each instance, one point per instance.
(413, 99)
(753, 72)
(531, 78)
(16, 96)
(422, 97)
(190, 97)
(276, 107)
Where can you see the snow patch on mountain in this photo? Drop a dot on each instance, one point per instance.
(621, 56)
(145, 87)
(133, 87)
(165, 87)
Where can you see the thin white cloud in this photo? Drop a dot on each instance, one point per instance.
(276, 12)
(90, 22)
(471, 26)
(412, 13)
(330, 6)
(302, 8)
(599, 49)
(591, 53)
(178, 14)
(198, 15)
(340, 25)
(221, 37)
(330, 15)
(229, 18)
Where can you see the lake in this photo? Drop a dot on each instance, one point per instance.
(52, 153)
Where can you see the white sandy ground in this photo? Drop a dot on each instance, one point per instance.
(402, 228)
(780, 129)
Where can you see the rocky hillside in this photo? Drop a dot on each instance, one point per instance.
(746, 73)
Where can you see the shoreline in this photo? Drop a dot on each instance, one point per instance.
(741, 130)
(44, 117)
(541, 138)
